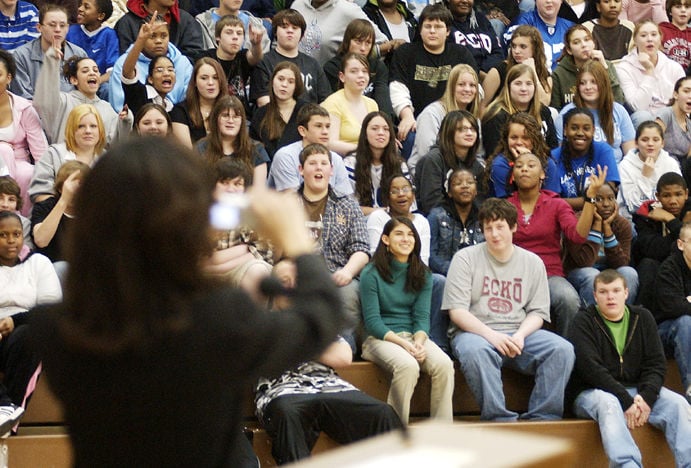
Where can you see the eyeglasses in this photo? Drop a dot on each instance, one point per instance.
(164, 69)
(401, 191)
(466, 129)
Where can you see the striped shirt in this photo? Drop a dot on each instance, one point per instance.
(20, 28)
(307, 379)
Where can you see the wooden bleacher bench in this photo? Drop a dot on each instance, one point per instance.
(42, 438)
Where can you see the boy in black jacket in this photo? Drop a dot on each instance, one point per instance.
(620, 367)
(673, 311)
(657, 226)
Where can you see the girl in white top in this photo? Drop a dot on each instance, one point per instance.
(641, 168)
(646, 75)
(25, 284)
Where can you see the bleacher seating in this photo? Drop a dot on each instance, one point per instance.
(42, 438)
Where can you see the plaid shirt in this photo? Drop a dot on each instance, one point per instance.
(344, 230)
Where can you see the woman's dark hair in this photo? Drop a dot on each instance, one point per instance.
(391, 161)
(567, 155)
(677, 85)
(447, 136)
(649, 124)
(353, 56)
(272, 123)
(10, 65)
(192, 98)
(4, 214)
(145, 109)
(360, 29)
(382, 258)
(71, 66)
(9, 186)
(534, 134)
(243, 148)
(135, 250)
(386, 187)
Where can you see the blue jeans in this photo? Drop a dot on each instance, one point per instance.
(676, 338)
(671, 413)
(582, 280)
(439, 319)
(564, 304)
(545, 355)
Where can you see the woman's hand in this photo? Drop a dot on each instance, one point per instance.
(70, 187)
(648, 168)
(405, 126)
(596, 180)
(600, 57)
(647, 63)
(597, 222)
(6, 326)
(281, 218)
(57, 49)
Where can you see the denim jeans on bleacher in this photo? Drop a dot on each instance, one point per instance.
(564, 304)
(671, 413)
(676, 338)
(545, 355)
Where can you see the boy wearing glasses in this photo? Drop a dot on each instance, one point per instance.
(53, 27)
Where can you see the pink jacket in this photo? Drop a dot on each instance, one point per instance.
(28, 135)
(541, 234)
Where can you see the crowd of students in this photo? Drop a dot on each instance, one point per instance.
(393, 128)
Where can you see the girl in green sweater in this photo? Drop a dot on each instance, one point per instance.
(395, 293)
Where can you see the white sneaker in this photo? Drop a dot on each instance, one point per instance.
(9, 417)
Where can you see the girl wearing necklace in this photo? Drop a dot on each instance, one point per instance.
(454, 224)
(85, 140)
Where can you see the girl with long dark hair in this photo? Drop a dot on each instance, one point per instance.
(376, 159)
(395, 293)
(228, 137)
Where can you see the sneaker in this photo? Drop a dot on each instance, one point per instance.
(9, 417)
